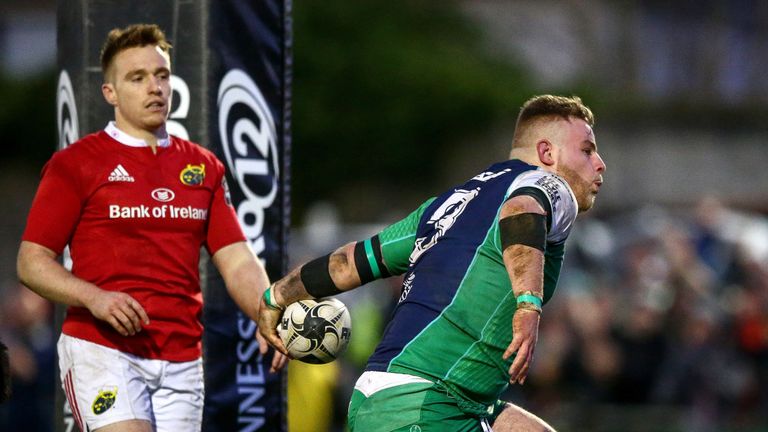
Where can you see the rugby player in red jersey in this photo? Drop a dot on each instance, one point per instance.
(135, 205)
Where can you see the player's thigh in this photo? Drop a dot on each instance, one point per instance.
(101, 385)
(409, 408)
(178, 401)
(515, 419)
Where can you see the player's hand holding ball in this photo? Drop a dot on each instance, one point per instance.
(270, 314)
(315, 331)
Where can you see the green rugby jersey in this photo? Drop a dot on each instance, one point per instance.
(454, 317)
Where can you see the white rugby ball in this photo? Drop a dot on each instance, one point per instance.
(315, 331)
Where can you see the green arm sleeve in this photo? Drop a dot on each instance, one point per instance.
(397, 240)
(553, 261)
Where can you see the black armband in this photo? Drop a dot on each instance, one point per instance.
(539, 196)
(316, 277)
(368, 260)
(529, 229)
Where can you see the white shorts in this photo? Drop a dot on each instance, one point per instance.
(105, 386)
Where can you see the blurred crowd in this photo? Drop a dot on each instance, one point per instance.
(662, 309)
(26, 328)
(659, 323)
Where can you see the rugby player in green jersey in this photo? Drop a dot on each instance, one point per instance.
(478, 263)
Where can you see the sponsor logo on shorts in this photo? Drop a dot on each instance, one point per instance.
(193, 175)
(163, 195)
(104, 400)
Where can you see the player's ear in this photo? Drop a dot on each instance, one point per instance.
(544, 150)
(108, 90)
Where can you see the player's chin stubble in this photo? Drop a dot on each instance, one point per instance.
(585, 199)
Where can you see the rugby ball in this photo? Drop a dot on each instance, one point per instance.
(315, 331)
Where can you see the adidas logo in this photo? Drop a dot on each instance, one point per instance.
(120, 174)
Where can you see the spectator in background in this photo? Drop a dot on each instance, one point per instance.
(25, 326)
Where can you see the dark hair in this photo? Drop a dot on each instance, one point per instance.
(560, 106)
(136, 35)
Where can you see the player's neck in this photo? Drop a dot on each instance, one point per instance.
(525, 155)
(151, 137)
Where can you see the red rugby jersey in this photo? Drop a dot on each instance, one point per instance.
(135, 222)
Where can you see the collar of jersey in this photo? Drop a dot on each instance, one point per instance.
(128, 140)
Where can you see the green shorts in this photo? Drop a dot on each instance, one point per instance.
(410, 407)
